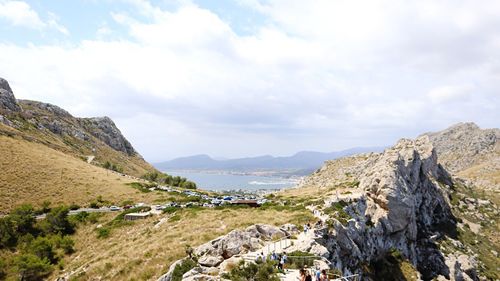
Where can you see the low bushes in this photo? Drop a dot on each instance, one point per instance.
(38, 245)
(253, 272)
(163, 178)
(182, 268)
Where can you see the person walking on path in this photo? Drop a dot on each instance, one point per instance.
(282, 263)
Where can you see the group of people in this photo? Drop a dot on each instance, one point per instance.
(318, 275)
(281, 259)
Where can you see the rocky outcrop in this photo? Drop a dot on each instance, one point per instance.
(400, 206)
(105, 129)
(464, 145)
(214, 256)
(470, 153)
(7, 100)
(236, 242)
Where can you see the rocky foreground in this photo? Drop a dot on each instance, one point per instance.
(398, 204)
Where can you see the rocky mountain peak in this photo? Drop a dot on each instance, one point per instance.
(7, 100)
(105, 129)
(464, 145)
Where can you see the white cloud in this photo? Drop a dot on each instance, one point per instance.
(450, 93)
(318, 75)
(20, 13)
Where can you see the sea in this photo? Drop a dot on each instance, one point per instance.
(227, 181)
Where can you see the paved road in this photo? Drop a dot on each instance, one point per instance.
(88, 210)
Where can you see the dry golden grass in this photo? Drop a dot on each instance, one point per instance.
(314, 193)
(32, 173)
(141, 252)
(485, 175)
(131, 165)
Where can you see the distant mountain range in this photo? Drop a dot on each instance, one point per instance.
(302, 162)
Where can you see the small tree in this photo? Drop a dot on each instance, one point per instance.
(42, 247)
(32, 267)
(57, 221)
(8, 237)
(23, 219)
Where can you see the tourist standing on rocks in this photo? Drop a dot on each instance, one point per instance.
(302, 275)
(308, 275)
(317, 274)
(323, 276)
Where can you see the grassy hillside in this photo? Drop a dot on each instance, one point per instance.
(140, 251)
(31, 172)
(52, 126)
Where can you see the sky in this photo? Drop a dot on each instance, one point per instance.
(234, 78)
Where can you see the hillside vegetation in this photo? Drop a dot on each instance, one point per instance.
(144, 250)
(33, 173)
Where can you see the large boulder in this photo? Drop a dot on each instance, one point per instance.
(266, 232)
(209, 260)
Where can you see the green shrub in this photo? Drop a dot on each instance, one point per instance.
(170, 210)
(111, 166)
(32, 267)
(3, 267)
(23, 218)
(174, 218)
(337, 209)
(42, 247)
(253, 272)
(57, 221)
(182, 268)
(74, 207)
(20, 222)
(8, 235)
(103, 232)
(140, 186)
(298, 259)
(64, 243)
(45, 207)
(163, 178)
(94, 205)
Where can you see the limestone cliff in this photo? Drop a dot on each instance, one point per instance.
(401, 203)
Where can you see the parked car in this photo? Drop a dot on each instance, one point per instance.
(114, 208)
